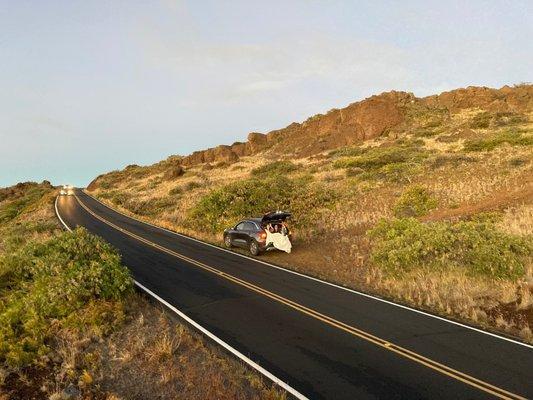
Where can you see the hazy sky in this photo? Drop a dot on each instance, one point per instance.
(90, 86)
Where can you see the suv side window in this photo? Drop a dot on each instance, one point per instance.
(241, 226)
(249, 226)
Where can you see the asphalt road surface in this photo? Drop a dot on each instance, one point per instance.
(322, 340)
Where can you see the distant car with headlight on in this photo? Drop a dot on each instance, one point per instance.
(66, 190)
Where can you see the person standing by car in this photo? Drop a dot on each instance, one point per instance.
(284, 228)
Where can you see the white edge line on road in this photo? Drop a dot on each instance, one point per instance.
(229, 348)
(213, 337)
(59, 216)
(322, 281)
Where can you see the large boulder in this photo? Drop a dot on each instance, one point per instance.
(256, 142)
(173, 172)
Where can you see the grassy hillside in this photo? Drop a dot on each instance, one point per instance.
(71, 325)
(436, 213)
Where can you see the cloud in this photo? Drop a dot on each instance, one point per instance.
(235, 71)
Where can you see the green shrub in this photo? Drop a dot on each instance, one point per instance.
(10, 209)
(193, 185)
(455, 160)
(414, 202)
(378, 157)
(177, 191)
(421, 116)
(397, 163)
(510, 137)
(403, 245)
(51, 284)
(119, 198)
(253, 197)
(518, 162)
(425, 133)
(508, 118)
(486, 119)
(481, 120)
(346, 152)
(274, 168)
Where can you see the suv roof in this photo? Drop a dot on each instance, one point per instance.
(269, 217)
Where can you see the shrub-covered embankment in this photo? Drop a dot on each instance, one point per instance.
(71, 325)
(436, 212)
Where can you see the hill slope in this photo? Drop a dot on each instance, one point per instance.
(425, 200)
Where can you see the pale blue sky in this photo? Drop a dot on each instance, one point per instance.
(89, 86)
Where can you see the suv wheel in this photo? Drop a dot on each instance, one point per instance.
(227, 241)
(254, 248)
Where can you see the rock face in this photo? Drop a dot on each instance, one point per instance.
(222, 153)
(359, 121)
(173, 173)
(367, 119)
(506, 99)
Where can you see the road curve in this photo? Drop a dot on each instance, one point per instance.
(325, 342)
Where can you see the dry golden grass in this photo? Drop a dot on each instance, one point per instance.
(153, 357)
(518, 220)
(149, 357)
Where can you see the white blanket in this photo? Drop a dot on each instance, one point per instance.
(279, 240)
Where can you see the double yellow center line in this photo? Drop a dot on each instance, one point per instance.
(458, 375)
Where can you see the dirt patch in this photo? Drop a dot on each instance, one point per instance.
(498, 201)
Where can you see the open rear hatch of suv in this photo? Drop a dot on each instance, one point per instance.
(273, 217)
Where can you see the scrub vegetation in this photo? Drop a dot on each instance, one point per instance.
(434, 213)
(414, 202)
(71, 325)
(405, 244)
(224, 206)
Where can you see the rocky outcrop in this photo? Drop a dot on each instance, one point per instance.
(506, 99)
(359, 121)
(363, 120)
(173, 172)
(222, 153)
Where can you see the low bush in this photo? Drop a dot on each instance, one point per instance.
(193, 185)
(274, 168)
(253, 197)
(346, 152)
(48, 285)
(405, 244)
(455, 160)
(11, 208)
(511, 137)
(423, 117)
(481, 120)
(414, 202)
(177, 191)
(518, 161)
(487, 119)
(396, 163)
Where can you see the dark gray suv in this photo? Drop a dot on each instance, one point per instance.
(250, 233)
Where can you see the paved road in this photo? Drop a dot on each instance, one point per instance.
(324, 341)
